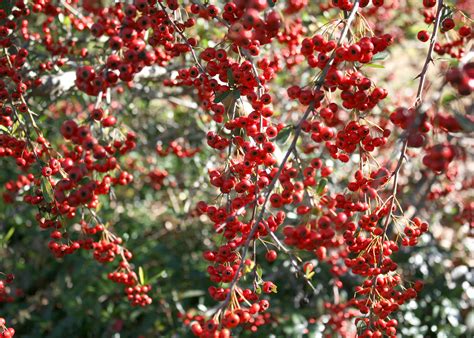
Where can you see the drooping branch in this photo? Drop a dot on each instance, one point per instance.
(297, 133)
(417, 106)
(57, 85)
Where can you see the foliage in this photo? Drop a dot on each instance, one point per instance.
(255, 168)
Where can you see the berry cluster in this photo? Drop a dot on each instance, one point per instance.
(5, 294)
(439, 156)
(182, 151)
(333, 112)
(64, 181)
(4, 331)
(462, 78)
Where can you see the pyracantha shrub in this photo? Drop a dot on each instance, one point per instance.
(280, 132)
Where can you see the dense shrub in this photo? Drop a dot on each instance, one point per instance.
(248, 168)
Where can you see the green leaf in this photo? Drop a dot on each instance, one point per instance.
(274, 289)
(221, 96)
(4, 129)
(321, 185)
(141, 276)
(16, 125)
(9, 234)
(259, 272)
(454, 63)
(466, 124)
(284, 134)
(447, 13)
(67, 22)
(230, 77)
(155, 277)
(448, 98)
(236, 94)
(47, 190)
(271, 3)
(7, 6)
(373, 65)
(380, 56)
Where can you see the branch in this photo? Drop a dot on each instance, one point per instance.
(287, 155)
(418, 101)
(196, 60)
(56, 85)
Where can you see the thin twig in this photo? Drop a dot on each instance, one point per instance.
(418, 101)
(292, 146)
(193, 53)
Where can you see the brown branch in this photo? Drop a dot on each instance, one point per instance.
(418, 101)
(298, 130)
(56, 85)
(292, 257)
(193, 53)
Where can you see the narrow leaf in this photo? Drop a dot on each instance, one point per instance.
(373, 65)
(221, 96)
(448, 98)
(47, 190)
(141, 276)
(230, 77)
(380, 56)
(236, 94)
(259, 272)
(321, 185)
(4, 129)
(283, 135)
(466, 123)
(9, 234)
